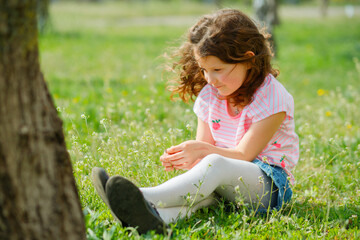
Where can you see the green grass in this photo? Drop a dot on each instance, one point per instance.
(107, 82)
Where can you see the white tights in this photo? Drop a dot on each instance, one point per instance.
(231, 178)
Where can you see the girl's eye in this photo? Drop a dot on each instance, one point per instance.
(217, 69)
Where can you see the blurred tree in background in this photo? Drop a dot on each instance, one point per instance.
(42, 14)
(266, 12)
(323, 7)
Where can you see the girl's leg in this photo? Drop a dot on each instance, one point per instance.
(230, 178)
(172, 214)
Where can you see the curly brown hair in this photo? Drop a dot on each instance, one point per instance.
(226, 34)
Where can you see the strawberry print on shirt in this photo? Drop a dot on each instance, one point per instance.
(216, 124)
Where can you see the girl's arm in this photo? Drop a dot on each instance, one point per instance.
(256, 138)
(187, 154)
(203, 133)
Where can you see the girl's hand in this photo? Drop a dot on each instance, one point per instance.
(185, 155)
(168, 165)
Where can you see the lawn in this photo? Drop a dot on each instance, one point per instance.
(104, 68)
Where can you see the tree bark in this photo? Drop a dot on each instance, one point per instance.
(38, 195)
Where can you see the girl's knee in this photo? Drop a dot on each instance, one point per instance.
(220, 162)
(212, 159)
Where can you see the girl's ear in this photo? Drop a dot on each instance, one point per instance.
(250, 54)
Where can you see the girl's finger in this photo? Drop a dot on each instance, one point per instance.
(179, 161)
(181, 166)
(173, 149)
(164, 157)
(168, 169)
(174, 157)
(166, 164)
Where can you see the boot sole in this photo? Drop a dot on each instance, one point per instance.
(128, 204)
(99, 179)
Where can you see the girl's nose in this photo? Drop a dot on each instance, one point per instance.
(210, 78)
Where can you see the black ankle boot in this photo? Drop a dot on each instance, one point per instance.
(130, 207)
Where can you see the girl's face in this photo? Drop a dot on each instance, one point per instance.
(225, 77)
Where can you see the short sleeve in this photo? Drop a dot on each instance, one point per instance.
(201, 106)
(270, 99)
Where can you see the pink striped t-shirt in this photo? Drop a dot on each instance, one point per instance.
(270, 98)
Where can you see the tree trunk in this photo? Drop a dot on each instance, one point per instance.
(38, 195)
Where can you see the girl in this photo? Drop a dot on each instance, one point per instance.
(245, 146)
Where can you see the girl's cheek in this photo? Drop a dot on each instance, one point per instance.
(225, 79)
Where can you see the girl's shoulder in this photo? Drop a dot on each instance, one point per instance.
(271, 86)
(270, 98)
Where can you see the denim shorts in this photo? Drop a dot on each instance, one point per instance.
(281, 181)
